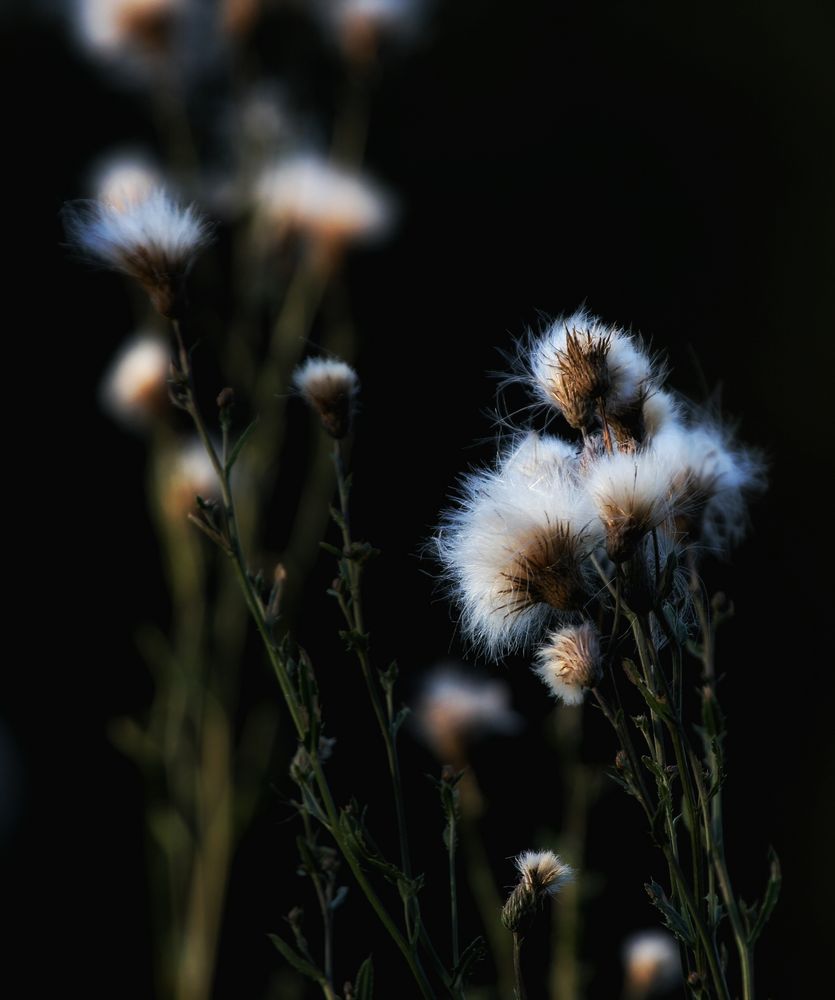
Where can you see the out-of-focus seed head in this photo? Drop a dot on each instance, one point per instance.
(134, 389)
(455, 708)
(652, 963)
(330, 387)
(151, 239)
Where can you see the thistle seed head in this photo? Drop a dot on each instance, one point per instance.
(330, 387)
(569, 662)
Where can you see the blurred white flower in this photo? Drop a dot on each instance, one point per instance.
(124, 180)
(134, 387)
(454, 708)
(652, 964)
(152, 239)
(331, 206)
(330, 387)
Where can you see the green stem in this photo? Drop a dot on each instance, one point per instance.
(453, 889)
(354, 617)
(254, 604)
(519, 982)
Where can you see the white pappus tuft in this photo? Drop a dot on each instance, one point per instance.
(330, 205)
(581, 365)
(134, 387)
(152, 239)
(515, 548)
(713, 478)
(116, 28)
(632, 494)
(544, 871)
(569, 661)
(454, 708)
(125, 179)
(652, 963)
(330, 387)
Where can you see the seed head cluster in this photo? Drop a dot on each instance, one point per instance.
(641, 475)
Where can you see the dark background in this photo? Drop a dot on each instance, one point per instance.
(671, 167)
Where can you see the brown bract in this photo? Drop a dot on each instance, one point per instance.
(582, 377)
(547, 569)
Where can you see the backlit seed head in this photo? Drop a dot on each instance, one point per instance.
(569, 661)
(330, 387)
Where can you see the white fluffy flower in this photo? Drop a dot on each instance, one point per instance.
(541, 874)
(579, 363)
(633, 493)
(125, 180)
(652, 963)
(134, 386)
(514, 550)
(186, 473)
(331, 205)
(713, 477)
(152, 239)
(329, 386)
(544, 871)
(661, 410)
(110, 28)
(455, 708)
(569, 661)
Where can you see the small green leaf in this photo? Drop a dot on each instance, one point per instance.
(295, 959)
(672, 918)
(398, 720)
(242, 440)
(772, 894)
(364, 986)
(474, 953)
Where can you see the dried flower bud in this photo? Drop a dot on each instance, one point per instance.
(542, 874)
(570, 661)
(330, 387)
(226, 398)
(581, 365)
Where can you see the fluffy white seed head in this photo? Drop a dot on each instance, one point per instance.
(455, 708)
(152, 239)
(543, 871)
(569, 661)
(633, 493)
(125, 180)
(540, 458)
(330, 387)
(187, 473)
(114, 28)
(661, 410)
(579, 362)
(360, 25)
(541, 874)
(331, 206)
(713, 478)
(652, 963)
(515, 548)
(134, 388)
